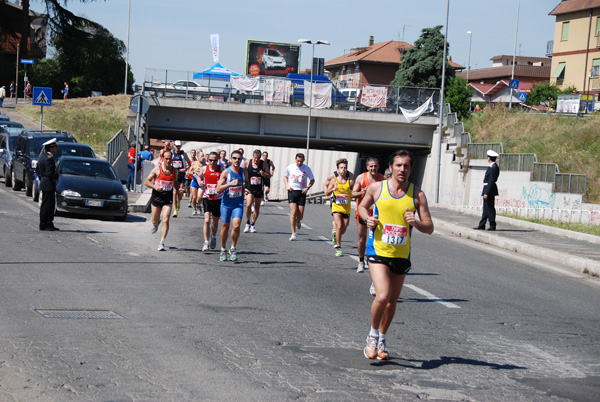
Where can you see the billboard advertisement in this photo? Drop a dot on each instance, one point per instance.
(271, 58)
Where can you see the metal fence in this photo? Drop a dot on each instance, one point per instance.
(544, 172)
(182, 84)
(570, 183)
(517, 162)
(479, 150)
(116, 145)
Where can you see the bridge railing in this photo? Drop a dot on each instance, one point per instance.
(182, 84)
(117, 144)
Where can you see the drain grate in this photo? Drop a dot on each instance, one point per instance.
(80, 314)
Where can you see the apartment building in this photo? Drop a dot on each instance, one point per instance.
(576, 48)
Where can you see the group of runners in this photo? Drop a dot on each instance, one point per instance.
(386, 212)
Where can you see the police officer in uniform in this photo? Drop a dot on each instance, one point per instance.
(46, 171)
(489, 192)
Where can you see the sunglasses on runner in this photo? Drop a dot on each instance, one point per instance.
(235, 158)
(212, 160)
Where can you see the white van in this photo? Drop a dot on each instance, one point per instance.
(351, 94)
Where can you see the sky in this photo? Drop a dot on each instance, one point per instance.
(175, 34)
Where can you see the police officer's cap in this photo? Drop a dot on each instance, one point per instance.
(492, 154)
(49, 142)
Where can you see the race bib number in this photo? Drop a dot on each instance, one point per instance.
(255, 180)
(235, 191)
(166, 185)
(177, 164)
(341, 199)
(394, 234)
(297, 179)
(211, 189)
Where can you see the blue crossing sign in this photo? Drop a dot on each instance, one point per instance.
(514, 84)
(522, 96)
(42, 96)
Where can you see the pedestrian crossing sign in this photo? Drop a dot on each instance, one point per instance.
(514, 84)
(522, 96)
(42, 96)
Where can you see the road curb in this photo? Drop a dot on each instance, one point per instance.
(582, 265)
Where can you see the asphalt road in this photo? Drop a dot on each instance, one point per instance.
(286, 322)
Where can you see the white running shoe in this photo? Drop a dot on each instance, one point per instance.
(189, 204)
(213, 243)
(298, 225)
(195, 212)
(293, 237)
(247, 228)
(161, 246)
(154, 229)
(361, 267)
(372, 289)
(205, 246)
(262, 203)
(233, 254)
(252, 229)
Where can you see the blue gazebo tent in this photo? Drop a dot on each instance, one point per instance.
(216, 72)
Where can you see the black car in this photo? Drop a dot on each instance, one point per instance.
(91, 187)
(11, 127)
(27, 149)
(63, 149)
(7, 146)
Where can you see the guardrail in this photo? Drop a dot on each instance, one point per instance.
(479, 150)
(117, 144)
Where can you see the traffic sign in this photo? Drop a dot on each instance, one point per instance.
(26, 61)
(134, 104)
(522, 96)
(42, 96)
(514, 84)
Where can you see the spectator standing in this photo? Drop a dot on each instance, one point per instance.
(2, 94)
(65, 91)
(12, 89)
(131, 168)
(28, 90)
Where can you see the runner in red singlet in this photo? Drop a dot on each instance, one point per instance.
(211, 200)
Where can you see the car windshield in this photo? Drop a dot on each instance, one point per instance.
(74, 151)
(97, 169)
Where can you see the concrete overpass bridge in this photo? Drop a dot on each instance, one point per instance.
(283, 126)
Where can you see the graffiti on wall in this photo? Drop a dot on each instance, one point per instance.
(538, 197)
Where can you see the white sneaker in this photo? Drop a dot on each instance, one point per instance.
(161, 246)
(247, 228)
(252, 229)
(262, 203)
(372, 289)
(195, 212)
(293, 237)
(205, 246)
(361, 267)
(298, 225)
(154, 229)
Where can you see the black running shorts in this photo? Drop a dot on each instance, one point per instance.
(399, 266)
(212, 206)
(297, 197)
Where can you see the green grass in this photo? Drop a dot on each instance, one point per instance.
(572, 143)
(93, 121)
(575, 227)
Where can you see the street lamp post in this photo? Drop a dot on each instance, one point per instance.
(469, 62)
(439, 161)
(310, 42)
(512, 76)
(127, 51)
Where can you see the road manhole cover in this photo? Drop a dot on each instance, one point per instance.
(80, 314)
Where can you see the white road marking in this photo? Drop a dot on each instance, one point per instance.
(279, 207)
(431, 297)
(94, 240)
(306, 226)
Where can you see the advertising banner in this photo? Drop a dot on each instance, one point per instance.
(374, 96)
(214, 45)
(321, 98)
(271, 58)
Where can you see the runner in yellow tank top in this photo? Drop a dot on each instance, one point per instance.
(341, 188)
(396, 201)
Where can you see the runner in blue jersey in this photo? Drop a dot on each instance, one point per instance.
(232, 183)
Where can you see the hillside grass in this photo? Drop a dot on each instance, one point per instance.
(93, 121)
(572, 143)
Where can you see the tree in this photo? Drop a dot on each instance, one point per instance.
(459, 97)
(545, 93)
(421, 66)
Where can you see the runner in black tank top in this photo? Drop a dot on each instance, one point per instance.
(257, 172)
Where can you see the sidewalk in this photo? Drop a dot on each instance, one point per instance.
(573, 250)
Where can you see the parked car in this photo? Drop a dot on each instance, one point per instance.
(25, 156)
(90, 186)
(63, 149)
(272, 58)
(7, 146)
(11, 127)
(181, 88)
(4, 117)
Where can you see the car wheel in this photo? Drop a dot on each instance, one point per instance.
(16, 185)
(7, 180)
(121, 218)
(36, 192)
(197, 97)
(28, 186)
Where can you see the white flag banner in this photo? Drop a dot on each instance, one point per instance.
(244, 83)
(277, 90)
(374, 96)
(214, 45)
(414, 115)
(321, 96)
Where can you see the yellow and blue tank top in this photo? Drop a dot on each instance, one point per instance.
(342, 198)
(391, 237)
